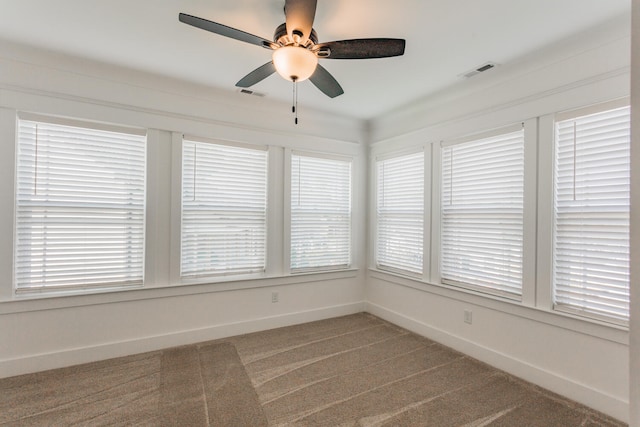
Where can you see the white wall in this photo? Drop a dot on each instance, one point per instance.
(43, 333)
(515, 91)
(585, 361)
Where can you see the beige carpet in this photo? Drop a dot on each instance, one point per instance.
(350, 371)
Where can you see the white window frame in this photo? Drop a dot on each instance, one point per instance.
(426, 153)
(431, 273)
(547, 264)
(539, 155)
(288, 157)
(176, 262)
(162, 249)
(62, 290)
(439, 215)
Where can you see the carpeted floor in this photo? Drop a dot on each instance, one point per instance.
(355, 370)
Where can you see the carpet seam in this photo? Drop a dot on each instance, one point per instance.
(328, 357)
(315, 342)
(350, 371)
(374, 389)
(204, 392)
(422, 402)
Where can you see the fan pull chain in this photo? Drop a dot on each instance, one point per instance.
(294, 108)
(35, 169)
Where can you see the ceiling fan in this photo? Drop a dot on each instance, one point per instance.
(296, 49)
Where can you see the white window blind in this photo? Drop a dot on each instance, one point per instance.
(224, 209)
(591, 253)
(80, 207)
(400, 213)
(482, 214)
(320, 213)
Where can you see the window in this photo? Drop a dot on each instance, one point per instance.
(482, 214)
(224, 198)
(80, 207)
(400, 213)
(320, 213)
(591, 235)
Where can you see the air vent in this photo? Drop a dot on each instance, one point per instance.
(252, 92)
(481, 69)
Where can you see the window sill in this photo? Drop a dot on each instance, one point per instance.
(50, 301)
(583, 325)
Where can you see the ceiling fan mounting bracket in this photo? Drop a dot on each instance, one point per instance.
(282, 38)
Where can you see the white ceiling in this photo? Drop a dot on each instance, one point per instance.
(445, 38)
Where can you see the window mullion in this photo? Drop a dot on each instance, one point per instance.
(529, 220)
(7, 189)
(277, 212)
(158, 242)
(427, 212)
(436, 213)
(176, 206)
(544, 273)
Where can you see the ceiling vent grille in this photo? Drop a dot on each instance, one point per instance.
(251, 92)
(480, 69)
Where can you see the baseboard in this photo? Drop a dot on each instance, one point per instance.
(69, 357)
(588, 396)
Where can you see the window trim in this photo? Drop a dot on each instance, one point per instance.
(592, 109)
(483, 134)
(549, 269)
(178, 140)
(517, 127)
(81, 123)
(593, 327)
(530, 188)
(538, 203)
(65, 290)
(426, 228)
(161, 179)
(288, 155)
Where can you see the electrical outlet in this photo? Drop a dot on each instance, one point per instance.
(468, 317)
(274, 297)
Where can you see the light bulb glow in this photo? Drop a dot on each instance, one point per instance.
(294, 62)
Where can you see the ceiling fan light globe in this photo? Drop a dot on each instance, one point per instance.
(295, 63)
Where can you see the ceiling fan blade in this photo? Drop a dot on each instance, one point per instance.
(324, 81)
(299, 17)
(223, 30)
(257, 75)
(362, 48)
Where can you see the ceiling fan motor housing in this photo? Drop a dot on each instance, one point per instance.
(281, 37)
